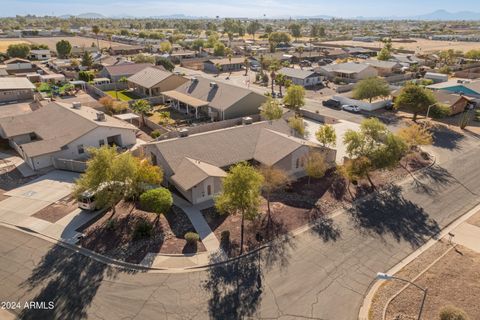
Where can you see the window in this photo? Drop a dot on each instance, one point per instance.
(302, 162)
(209, 190)
(297, 163)
(101, 142)
(80, 149)
(153, 158)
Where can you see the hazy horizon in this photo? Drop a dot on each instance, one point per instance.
(238, 8)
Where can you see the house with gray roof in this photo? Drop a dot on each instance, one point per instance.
(349, 71)
(116, 72)
(224, 64)
(15, 89)
(304, 78)
(385, 68)
(201, 97)
(63, 131)
(151, 81)
(196, 164)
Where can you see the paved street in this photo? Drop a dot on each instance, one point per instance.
(321, 274)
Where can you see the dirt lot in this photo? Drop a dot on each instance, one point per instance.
(453, 280)
(118, 242)
(302, 203)
(52, 41)
(57, 210)
(424, 44)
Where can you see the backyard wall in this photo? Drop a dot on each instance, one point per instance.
(364, 105)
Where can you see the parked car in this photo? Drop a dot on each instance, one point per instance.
(331, 103)
(351, 108)
(389, 105)
(255, 68)
(305, 63)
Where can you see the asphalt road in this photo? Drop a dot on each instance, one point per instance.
(321, 274)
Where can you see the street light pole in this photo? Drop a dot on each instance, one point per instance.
(386, 276)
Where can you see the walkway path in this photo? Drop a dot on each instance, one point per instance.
(19, 163)
(468, 233)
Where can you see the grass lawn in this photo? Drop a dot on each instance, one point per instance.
(123, 95)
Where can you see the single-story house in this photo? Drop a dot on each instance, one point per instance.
(125, 50)
(63, 131)
(457, 103)
(201, 97)
(39, 55)
(151, 81)
(116, 72)
(79, 51)
(226, 65)
(406, 60)
(469, 89)
(335, 53)
(196, 164)
(385, 68)
(15, 89)
(18, 65)
(52, 78)
(301, 77)
(349, 72)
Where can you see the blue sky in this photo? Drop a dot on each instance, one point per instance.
(236, 8)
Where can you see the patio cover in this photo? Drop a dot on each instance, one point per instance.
(191, 101)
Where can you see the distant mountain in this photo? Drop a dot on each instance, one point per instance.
(445, 15)
(90, 15)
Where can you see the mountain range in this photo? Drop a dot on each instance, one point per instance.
(441, 15)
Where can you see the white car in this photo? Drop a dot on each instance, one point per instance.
(349, 107)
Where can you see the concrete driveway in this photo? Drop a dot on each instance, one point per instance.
(340, 128)
(34, 196)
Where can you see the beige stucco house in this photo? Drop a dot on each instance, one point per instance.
(348, 72)
(152, 81)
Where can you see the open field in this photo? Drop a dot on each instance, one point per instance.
(420, 45)
(51, 42)
(4, 43)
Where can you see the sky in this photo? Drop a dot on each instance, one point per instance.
(236, 8)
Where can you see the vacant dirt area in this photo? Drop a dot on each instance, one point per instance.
(453, 280)
(422, 45)
(52, 41)
(116, 239)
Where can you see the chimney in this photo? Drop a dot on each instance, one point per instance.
(183, 132)
(100, 116)
(76, 105)
(213, 84)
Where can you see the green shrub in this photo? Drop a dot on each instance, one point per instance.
(155, 134)
(192, 237)
(143, 229)
(452, 313)
(440, 111)
(111, 224)
(445, 70)
(156, 200)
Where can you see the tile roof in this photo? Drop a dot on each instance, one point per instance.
(150, 76)
(56, 124)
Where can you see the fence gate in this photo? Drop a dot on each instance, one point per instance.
(70, 165)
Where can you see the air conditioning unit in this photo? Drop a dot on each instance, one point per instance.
(100, 116)
(76, 105)
(183, 132)
(213, 84)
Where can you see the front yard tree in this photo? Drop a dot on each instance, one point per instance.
(164, 62)
(241, 194)
(415, 135)
(415, 99)
(141, 107)
(63, 48)
(271, 109)
(371, 88)
(386, 53)
(274, 67)
(253, 27)
(20, 50)
(297, 125)
(87, 60)
(315, 165)
(96, 31)
(296, 30)
(326, 136)
(274, 179)
(295, 97)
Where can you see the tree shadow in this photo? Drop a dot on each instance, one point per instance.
(433, 178)
(389, 213)
(235, 287)
(68, 279)
(324, 227)
(445, 138)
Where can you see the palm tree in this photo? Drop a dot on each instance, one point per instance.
(142, 107)
(246, 62)
(280, 79)
(96, 30)
(274, 67)
(300, 52)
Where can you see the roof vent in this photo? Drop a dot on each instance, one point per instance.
(247, 120)
(183, 132)
(213, 84)
(100, 116)
(76, 105)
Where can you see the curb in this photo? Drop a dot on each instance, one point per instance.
(375, 284)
